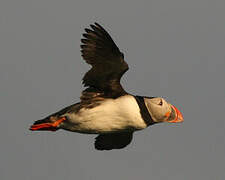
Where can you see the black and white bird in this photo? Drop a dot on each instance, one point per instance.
(106, 108)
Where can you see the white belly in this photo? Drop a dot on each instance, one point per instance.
(111, 116)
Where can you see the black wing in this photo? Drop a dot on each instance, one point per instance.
(108, 65)
(113, 141)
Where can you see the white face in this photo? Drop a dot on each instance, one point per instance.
(159, 109)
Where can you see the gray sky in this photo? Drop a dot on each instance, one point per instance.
(175, 49)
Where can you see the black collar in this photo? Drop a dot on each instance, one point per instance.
(144, 111)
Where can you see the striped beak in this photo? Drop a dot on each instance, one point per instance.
(178, 116)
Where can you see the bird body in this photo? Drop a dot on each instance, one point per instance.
(105, 107)
(112, 115)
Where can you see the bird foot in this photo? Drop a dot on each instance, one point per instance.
(50, 126)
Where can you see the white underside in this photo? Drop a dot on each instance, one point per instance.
(113, 115)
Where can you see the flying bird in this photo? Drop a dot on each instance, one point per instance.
(105, 108)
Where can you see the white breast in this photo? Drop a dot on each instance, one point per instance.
(112, 115)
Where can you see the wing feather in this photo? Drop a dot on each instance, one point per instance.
(113, 141)
(108, 66)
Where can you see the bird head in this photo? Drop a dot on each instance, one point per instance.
(162, 111)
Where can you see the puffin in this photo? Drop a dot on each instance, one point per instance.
(105, 108)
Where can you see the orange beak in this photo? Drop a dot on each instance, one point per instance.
(179, 117)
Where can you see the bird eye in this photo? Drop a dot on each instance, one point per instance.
(161, 102)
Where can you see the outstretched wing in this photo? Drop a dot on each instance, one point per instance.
(113, 141)
(108, 65)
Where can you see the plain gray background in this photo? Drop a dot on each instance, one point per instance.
(175, 49)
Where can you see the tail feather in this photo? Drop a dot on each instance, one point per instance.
(41, 121)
